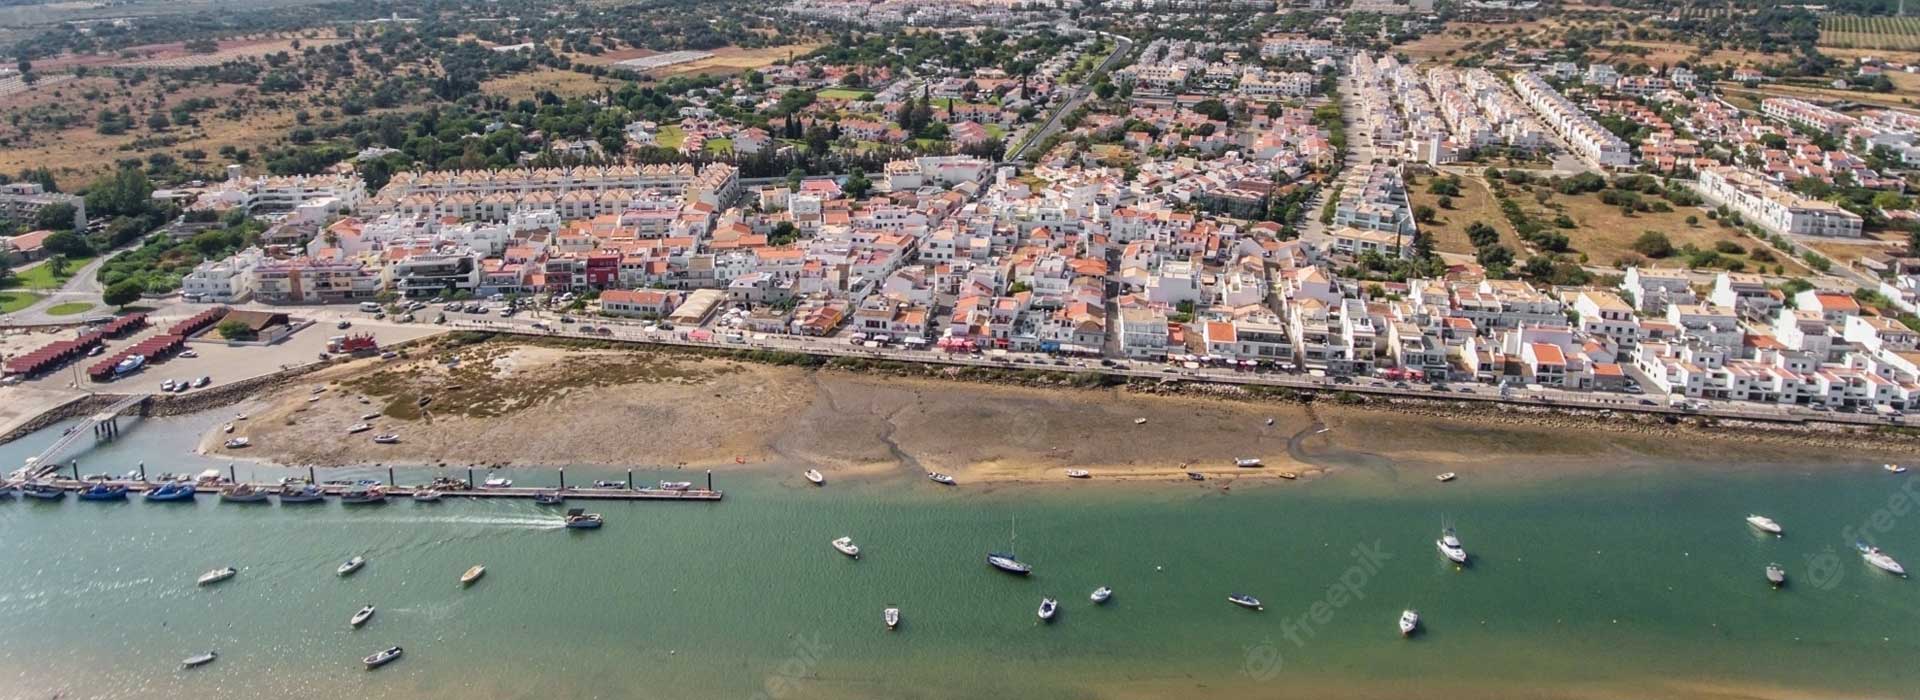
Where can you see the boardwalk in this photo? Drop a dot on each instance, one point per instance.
(406, 492)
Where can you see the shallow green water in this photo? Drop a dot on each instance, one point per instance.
(1642, 583)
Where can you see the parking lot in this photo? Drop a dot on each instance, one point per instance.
(221, 362)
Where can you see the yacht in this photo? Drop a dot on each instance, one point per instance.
(580, 519)
(351, 566)
(238, 443)
(892, 616)
(1101, 594)
(939, 478)
(426, 495)
(1245, 601)
(243, 493)
(1409, 621)
(386, 439)
(217, 575)
(1895, 469)
(360, 618)
(816, 477)
(1247, 462)
(847, 547)
(472, 575)
(1880, 560)
(198, 660)
(382, 658)
(363, 495)
(549, 498)
(1449, 546)
(170, 492)
(42, 490)
(495, 481)
(1764, 524)
(301, 493)
(1006, 562)
(358, 428)
(104, 492)
(1048, 607)
(1446, 477)
(1776, 575)
(1078, 474)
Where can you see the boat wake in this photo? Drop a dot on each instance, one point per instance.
(512, 522)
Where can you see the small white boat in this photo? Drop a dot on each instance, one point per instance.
(229, 428)
(358, 428)
(1245, 601)
(238, 443)
(580, 519)
(1764, 524)
(1247, 462)
(217, 575)
(386, 439)
(1449, 546)
(816, 477)
(1048, 607)
(892, 616)
(675, 485)
(368, 416)
(1101, 594)
(1895, 469)
(426, 495)
(1880, 560)
(496, 482)
(382, 658)
(847, 547)
(1139, 421)
(1449, 476)
(351, 566)
(199, 660)
(1269, 421)
(1409, 621)
(1078, 474)
(360, 618)
(472, 575)
(1776, 575)
(939, 478)
(243, 493)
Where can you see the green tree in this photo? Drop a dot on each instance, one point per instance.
(237, 330)
(123, 293)
(127, 192)
(58, 217)
(857, 185)
(67, 244)
(1653, 244)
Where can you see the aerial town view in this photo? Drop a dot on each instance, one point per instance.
(872, 349)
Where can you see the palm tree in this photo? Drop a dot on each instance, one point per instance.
(57, 265)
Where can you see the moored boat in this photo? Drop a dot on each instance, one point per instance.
(580, 519)
(1196, 476)
(350, 566)
(426, 495)
(199, 660)
(495, 481)
(1245, 601)
(104, 492)
(816, 477)
(892, 617)
(473, 574)
(363, 495)
(1450, 547)
(360, 618)
(1289, 476)
(1248, 462)
(170, 493)
(1006, 562)
(43, 491)
(675, 485)
(1446, 477)
(358, 428)
(1409, 622)
(1894, 469)
(1764, 524)
(940, 478)
(386, 439)
(1776, 575)
(1100, 595)
(238, 443)
(217, 575)
(301, 493)
(1078, 474)
(605, 484)
(549, 498)
(382, 658)
(1048, 607)
(243, 493)
(846, 546)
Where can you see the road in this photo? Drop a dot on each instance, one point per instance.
(1122, 46)
(84, 286)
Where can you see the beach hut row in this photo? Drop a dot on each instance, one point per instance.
(122, 326)
(53, 354)
(198, 322)
(155, 349)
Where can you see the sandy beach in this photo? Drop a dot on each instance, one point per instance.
(529, 405)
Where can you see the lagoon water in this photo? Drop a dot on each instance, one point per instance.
(1631, 583)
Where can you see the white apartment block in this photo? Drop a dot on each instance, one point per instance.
(1774, 208)
(1807, 114)
(1588, 138)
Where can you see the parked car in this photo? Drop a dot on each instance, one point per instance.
(202, 381)
(343, 324)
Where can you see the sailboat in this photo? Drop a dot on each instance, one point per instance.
(1005, 561)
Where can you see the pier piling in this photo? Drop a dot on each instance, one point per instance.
(232, 475)
(390, 481)
(469, 477)
(563, 478)
(76, 469)
(143, 471)
(709, 479)
(310, 478)
(629, 478)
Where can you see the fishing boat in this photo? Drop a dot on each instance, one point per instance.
(426, 495)
(580, 519)
(549, 498)
(1245, 601)
(243, 493)
(1764, 524)
(892, 616)
(1449, 546)
(239, 442)
(1894, 469)
(301, 493)
(170, 493)
(199, 660)
(1247, 462)
(1078, 474)
(351, 566)
(816, 477)
(1196, 476)
(1048, 607)
(382, 658)
(1446, 477)
(358, 428)
(386, 439)
(675, 485)
(43, 491)
(364, 495)
(1776, 575)
(940, 478)
(495, 481)
(217, 575)
(1101, 594)
(472, 575)
(360, 618)
(104, 492)
(1880, 560)
(1409, 622)
(847, 547)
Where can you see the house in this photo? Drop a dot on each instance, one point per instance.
(639, 303)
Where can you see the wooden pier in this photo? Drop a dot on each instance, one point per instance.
(135, 487)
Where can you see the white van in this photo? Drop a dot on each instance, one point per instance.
(369, 306)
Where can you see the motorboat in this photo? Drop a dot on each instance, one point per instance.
(1776, 575)
(199, 660)
(1078, 474)
(1048, 607)
(243, 493)
(816, 477)
(940, 478)
(1894, 469)
(42, 490)
(1880, 560)
(170, 493)
(1269, 422)
(301, 493)
(351, 566)
(358, 428)
(382, 658)
(369, 416)
(847, 547)
(104, 492)
(239, 442)
(1005, 561)
(549, 498)
(1196, 476)
(360, 618)
(472, 575)
(1289, 476)
(1449, 546)
(1764, 524)
(1248, 462)
(386, 439)
(580, 519)
(1409, 621)
(892, 616)
(228, 429)
(1101, 594)
(495, 481)
(1245, 601)
(364, 495)
(605, 484)
(426, 495)
(1139, 421)
(216, 576)
(1446, 477)
(675, 485)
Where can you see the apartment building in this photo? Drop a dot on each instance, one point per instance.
(1774, 208)
(21, 202)
(1588, 138)
(1807, 114)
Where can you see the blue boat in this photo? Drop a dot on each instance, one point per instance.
(43, 491)
(104, 492)
(171, 492)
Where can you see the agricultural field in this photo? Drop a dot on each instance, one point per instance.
(1854, 31)
(732, 60)
(176, 57)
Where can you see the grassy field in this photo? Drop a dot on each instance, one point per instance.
(70, 308)
(564, 83)
(844, 94)
(1475, 203)
(669, 137)
(15, 301)
(731, 60)
(41, 276)
(1854, 31)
